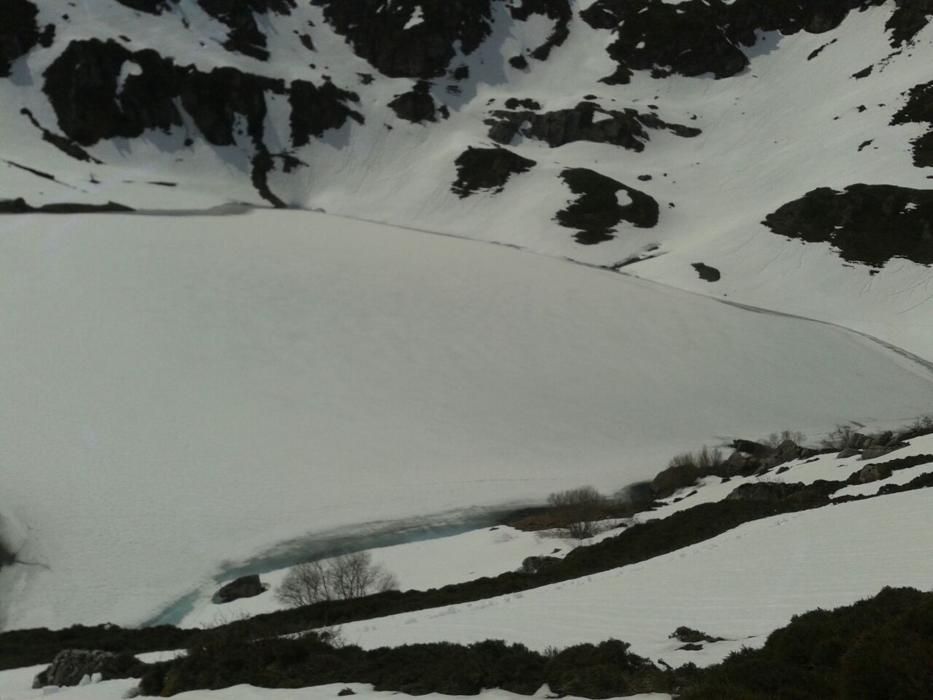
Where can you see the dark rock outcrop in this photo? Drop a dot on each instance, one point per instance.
(689, 635)
(386, 35)
(585, 122)
(534, 565)
(66, 146)
(70, 666)
(596, 210)
(700, 37)
(83, 85)
(690, 38)
(315, 109)
(557, 10)
(244, 36)
(215, 100)
(706, 272)
(94, 98)
(910, 17)
(243, 587)
(152, 7)
(872, 472)
(919, 110)
(763, 491)
(487, 169)
(19, 32)
(240, 17)
(674, 478)
(867, 224)
(416, 105)
(21, 206)
(418, 38)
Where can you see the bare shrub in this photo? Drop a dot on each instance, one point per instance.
(922, 426)
(775, 439)
(341, 578)
(581, 507)
(839, 438)
(704, 459)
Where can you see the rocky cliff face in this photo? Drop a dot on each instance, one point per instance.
(359, 98)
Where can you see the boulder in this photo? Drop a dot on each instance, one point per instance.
(533, 565)
(675, 478)
(750, 447)
(243, 587)
(872, 472)
(416, 106)
(876, 451)
(71, 666)
(689, 635)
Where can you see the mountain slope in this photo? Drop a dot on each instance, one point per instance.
(368, 109)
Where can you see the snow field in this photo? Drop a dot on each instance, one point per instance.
(182, 394)
(740, 586)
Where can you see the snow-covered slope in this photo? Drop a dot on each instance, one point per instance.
(739, 586)
(369, 110)
(180, 392)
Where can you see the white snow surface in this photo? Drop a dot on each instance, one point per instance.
(416, 565)
(181, 394)
(16, 685)
(740, 586)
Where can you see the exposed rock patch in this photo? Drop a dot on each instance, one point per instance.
(82, 85)
(152, 7)
(416, 106)
(392, 39)
(487, 169)
(227, 105)
(534, 565)
(71, 666)
(867, 224)
(919, 109)
(557, 10)
(910, 17)
(700, 37)
(66, 146)
(585, 122)
(315, 109)
(707, 273)
(596, 211)
(243, 587)
(245, 35)
(21, 206)
(19, 32)
(240, 17)
(419, 38)
(689, 635)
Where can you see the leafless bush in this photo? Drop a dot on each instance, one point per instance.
(341, 578)
(775, 439)
(581, 507)
(838, 439)
(704, 458)
(922, 426)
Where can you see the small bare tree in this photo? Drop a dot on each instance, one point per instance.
(341, 578)
(581, 508)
